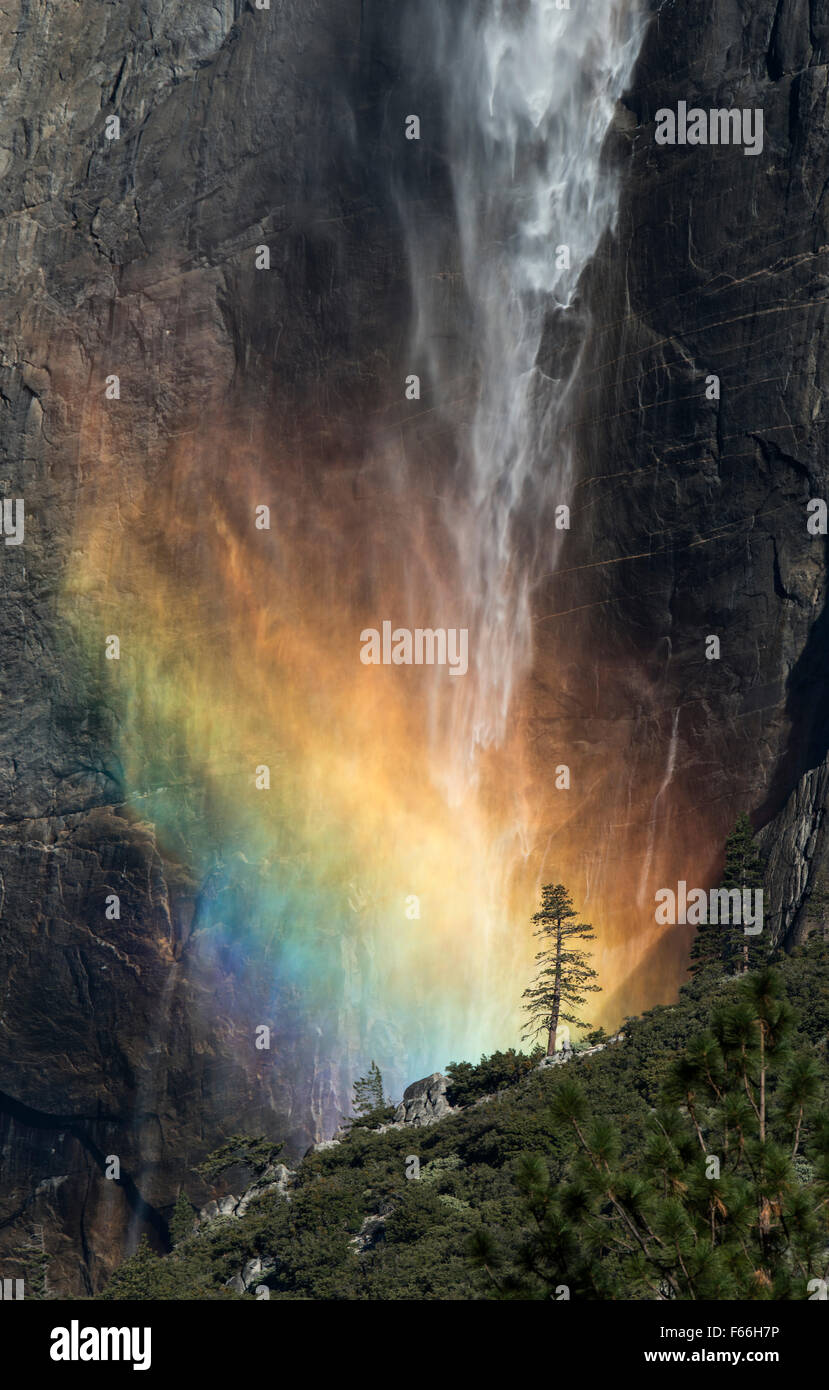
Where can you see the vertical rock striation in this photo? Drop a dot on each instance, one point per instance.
(689, 518)
(129, 256)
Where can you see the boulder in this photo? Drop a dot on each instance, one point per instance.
(424, 1101)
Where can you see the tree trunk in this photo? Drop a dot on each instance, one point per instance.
(551, 1036)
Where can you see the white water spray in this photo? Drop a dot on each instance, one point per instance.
(529, 93)
(664, 788)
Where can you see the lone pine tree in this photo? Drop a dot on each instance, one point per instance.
(727, 943)
(565, 976)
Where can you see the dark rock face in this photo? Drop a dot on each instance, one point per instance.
(132, 256)
(240, 127)
(696, 507)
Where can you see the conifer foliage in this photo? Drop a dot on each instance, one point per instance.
(565, 976)
(368, 1092)
(721, 1204)
(727, 945)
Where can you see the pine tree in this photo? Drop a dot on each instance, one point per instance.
(743, 870)
(143, 1277)
(724, 944)
(712, 1206)
(707, 948)
(368, 1092)
(565, 976)
(182, 1220)
(253, 1151)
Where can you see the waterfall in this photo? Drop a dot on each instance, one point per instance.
(527, 91)
(664, 788)
(400, 780)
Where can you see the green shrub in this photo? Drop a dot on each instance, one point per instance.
(468, 1082)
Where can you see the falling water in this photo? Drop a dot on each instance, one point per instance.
(406, 782)
(529, 91)
(663, 789)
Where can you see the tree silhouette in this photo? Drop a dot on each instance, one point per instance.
(565, 977)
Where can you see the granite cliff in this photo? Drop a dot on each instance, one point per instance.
(131, 256)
